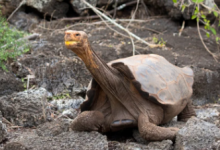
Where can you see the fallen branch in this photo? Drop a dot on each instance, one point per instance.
(119, 26)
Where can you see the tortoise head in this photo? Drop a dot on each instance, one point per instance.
(76, 40)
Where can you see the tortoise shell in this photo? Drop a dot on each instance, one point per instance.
(166, 83)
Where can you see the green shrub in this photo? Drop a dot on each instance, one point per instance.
(12, 43)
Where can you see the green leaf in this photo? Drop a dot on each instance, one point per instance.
(183, 7)
(217, 38)
(203, 16)
(207, 34)
(175, 1)
(197, 1)
(193, 17)
(215, 13)
(213, 31)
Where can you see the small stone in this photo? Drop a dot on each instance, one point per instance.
(3, 131)
(25, 108)
(53, 128)
(197, 134)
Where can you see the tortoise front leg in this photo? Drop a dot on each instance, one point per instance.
(152, 132)
(88, 121)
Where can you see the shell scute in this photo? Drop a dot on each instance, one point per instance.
(167, 83)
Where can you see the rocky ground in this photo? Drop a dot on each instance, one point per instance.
(39, 118)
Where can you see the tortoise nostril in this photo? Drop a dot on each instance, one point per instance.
(68, 34)
(77, 34)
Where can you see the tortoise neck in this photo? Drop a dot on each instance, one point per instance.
(104, 75)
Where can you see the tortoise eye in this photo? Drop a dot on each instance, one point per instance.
(77, 34)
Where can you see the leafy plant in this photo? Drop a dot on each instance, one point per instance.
(61, 96)
(160, 42)
(201, 17)
(12, 42)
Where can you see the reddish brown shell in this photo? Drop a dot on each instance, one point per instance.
(165, 82)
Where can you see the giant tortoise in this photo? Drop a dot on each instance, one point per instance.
(141, 91)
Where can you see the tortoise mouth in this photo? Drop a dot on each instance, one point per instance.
(68, 43)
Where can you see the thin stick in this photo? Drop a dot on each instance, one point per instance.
(145, 7)
(181, 30)
(133, 16)
(21, 3)
(213, 55)
(115, 9)
(121, 27)
(132, 41)
(14, 127)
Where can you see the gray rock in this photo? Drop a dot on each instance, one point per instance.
(65, 104)
(197, 134)
(54, 8)
(207, 79)
(9, 83)
(163, 145)
(71, 113)
(3, 129)
(23, 21)
(25, 108)
(8, 6)
(78, 6)
(68, 107)
(174, 10)
(64, 141)
(53, 128)
(138, 138)
(209, 113)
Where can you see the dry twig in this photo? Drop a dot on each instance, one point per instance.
(207, 49)
(119, 26)
(133, 16)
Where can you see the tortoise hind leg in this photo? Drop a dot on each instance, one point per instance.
(187, 112)
(152, 132)
(88, 121)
